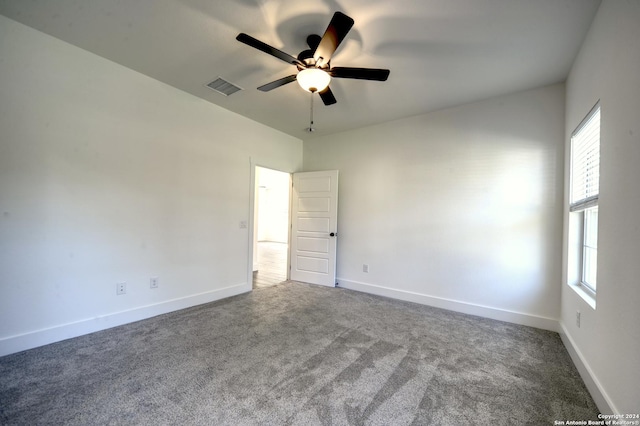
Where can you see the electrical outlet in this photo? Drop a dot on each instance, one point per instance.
(121, 288)
(365, 268)
(578, 318)
(153, 282)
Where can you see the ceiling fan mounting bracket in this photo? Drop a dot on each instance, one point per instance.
(311, 63)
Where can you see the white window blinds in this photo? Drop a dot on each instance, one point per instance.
(585, 162)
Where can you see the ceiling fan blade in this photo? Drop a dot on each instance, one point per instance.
(327, 96)
(336, 32)
(360, 73)
(255, 43)
(277, 83)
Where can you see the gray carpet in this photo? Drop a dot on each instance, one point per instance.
(300, 355)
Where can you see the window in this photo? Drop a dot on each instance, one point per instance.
(590, 248)
(585, 188)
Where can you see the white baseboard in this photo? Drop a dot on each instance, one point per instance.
(42, 337)
(454, 305)
(602, 400)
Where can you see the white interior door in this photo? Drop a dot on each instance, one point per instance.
(314, 226)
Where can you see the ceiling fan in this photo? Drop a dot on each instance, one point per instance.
(314, 64)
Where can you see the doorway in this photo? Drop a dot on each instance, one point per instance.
(271, 227)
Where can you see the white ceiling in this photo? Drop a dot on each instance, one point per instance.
(441, 53)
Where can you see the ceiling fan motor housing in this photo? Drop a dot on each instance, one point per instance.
(306, 56)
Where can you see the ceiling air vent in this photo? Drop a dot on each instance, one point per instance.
(222, 86)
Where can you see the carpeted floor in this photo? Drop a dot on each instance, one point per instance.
(301, 355)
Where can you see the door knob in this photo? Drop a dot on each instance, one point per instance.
(333, 234)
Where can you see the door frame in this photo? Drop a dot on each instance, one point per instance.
(251, 223)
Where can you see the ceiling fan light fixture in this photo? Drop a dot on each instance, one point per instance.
(313, 79)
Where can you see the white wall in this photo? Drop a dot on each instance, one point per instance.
(459, 208)
(107, 175)
(607, 344)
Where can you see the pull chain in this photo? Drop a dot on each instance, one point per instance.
(310, 128)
